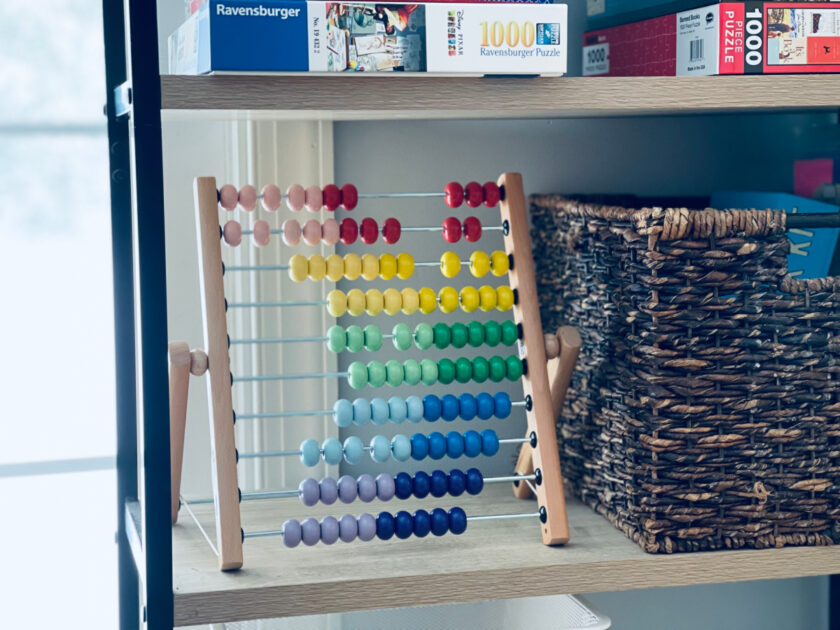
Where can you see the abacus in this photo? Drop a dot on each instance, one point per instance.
(538, 467)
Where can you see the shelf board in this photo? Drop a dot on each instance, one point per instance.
(492, 560)
(361, 97)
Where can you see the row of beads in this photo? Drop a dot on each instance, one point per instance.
(481, 263)
(473, 193)
(448, 299)
(350, 267)
(365, 528)
(313, 198)
(379, 411)
(430, 372)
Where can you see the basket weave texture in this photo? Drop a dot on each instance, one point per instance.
(705, 409)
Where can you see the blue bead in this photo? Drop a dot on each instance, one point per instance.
(422, 483)
(440, 522)
(454, 444)
(475, 481)
(449, 407)
(403, 524)
(457, 482)
(472, 443)
(333, 451)
(379, 411)
(502, 405)
(489, 442)
(385, 525)
(343, 412)
(380, 449)
(437, 445)
(353, 449)
(468, 406)
(397, 409)
(419, 446)
(310, 452)
(485, 406)
(402, 485)
(414, 408)
(457, 521)
(440, 484)
(361, 411)
(401, 447)
(422, 523)
(431, 407)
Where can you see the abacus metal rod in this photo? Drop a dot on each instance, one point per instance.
(287, 339)
(262, 454)
(319, 412)
(286, 267)
(288, 377)
(419, 228)
(277, 304)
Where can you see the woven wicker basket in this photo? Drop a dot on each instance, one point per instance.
(705, 410)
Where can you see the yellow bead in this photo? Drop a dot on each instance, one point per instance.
(374, 302)
(469, 299)
(336, 303)
(450, 264)
(387, 266)
(448, 299)
(393, 301)
(479, 264)
(500, 263)
(298, 268)
(335, 267)
(405, 266)
(410, 301)
(504, 298)
(487, 298)
(317, 267)
(355, 302)
(370, 267)
(428, 300)
(352, 266)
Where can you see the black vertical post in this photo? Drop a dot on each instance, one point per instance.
(834, 602)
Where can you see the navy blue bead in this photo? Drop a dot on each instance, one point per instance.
(485, 404)
(457, 482)
(422, 484)
(457, 521)
(440, 483)
(422, 523)
(385, 525)
(437, 445)
(402, 485)
(419, 446)
(449, 407)
(475, 481)
(468, 406)
(454, 444)
(472, 444)
(440, 522)
(403, 524)
(502, 405)
(489, 442)
(431, 407)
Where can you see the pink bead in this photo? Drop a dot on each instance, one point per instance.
(271, 197)
(233, 233)
(291, 232)
(262, 233)
(228, 197)
(314, 198)
(248, 197)
(295, 197)
(330, 232)
(312, 232)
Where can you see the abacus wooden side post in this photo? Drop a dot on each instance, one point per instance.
(222, 444)
(555, 529)
(179, 382)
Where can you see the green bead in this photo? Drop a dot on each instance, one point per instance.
(373, 338)
(394, 373)
(446, 371)
(476, 332)
(463, 370)
(492, 333)
(514, 367)
(355, 338)
(428, 372)
(402, 336)
(424, 336)
(459, 335)
(412, 372)
(336, 339)
(498, 369)
(510, 333)
(376, 374)
(357, 375)
(443, 336)
(480, 369)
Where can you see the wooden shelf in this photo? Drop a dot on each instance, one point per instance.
(492, 560)
(362, 97)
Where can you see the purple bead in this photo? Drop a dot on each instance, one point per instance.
(366, 487)
(347, 489)
(328, 490)
(291, 533)
(310, 531)
(329, 530)
(348, 528)
(310, 492)
(367, 527)
(385, 487)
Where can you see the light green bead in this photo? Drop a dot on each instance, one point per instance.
(402, 336)
(428, 372)
(357, 375)
(353, 449)
(412, 372)
(355, 338)
(394, 373)
(373, 338)
(336, 339)
(380, 449)
(376, 374)
(401, 447)
(424, 336)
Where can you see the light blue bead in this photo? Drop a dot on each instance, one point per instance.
(401, 447)
(361, 411)
(414, 408)
(353, 449)
(397, 409)
(332, 451)
(379, 411)
(380, 448)
(310, 452)
(343, 412)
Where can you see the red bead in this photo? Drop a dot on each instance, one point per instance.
(453, 194)
(474, 193)
(451, 230)
(349, 196)
(332, 197)
(369, 231)
(472, 229)
(391, 231)
(348, 231)
(491, 194)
